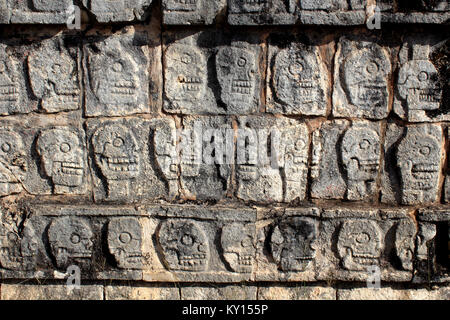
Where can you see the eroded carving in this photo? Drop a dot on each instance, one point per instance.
(419, 161)
(53, 72)
(239, 247)
(13, 162)
(293, 243)
(71, 241)
(117, 154)
(360, 244)
(237, 75)
(184, 245)
(10, 90)
(298, 80)
(51, 6)
(125, 242)
(18, 251)
(361, 159)
(405, 236)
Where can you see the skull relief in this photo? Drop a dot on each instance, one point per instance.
(360, 244)
(418, 84)
(13, 162)
(361, 160)
(186, 76)
(250, 6)
(9, 88)
(54, 79)
(236, 74)
(71, 241)
(18, 252)
(238, 245)
(51, 5)
(296, 79)
(419, 160)
(405, 235)
(124, 242)
(62, 157)
(293, 243)
(365, 77)
(182, 5)
(114, 77)
(184, 245)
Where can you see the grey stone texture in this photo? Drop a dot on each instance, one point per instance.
(212, 72)
(192, 12)
(274, 12)
(118, 11)
(362, 70)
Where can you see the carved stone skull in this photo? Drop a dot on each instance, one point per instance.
(52, 6)
(184, 245)
(365, 78)
(9, 89)
(125, 241)
(250, 6)
(418, 84)
(236, 75)
(71, 241)
(293, 243)
(405, 235)
(360, 244)
(186, 76)
(13, 162)
(18, 252)
(238, 245)
(418, 157)
(62, 157)
(361, 159)
(117, 152)
(182, 5)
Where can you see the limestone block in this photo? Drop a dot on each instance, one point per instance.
(230, 292)
(362, 70)
(346, 160)
(332, 12)
(264, 12)
(39, 11)
(133, 159)
(212, 72)
(118, 10)
(50, 292)
(146, 292)
(389, 293)
(296, 292)
(191, 12)
(117, 74)
(272, 158)
(413, 164)
(298, 81)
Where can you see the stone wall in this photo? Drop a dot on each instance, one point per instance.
(225, 149)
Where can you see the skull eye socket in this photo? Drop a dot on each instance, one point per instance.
(75, 238)
(300, 144)
(246, 242)
(125, 237)
(186, 59)
(372, 67)
(242, 62)
(364, 144)
(65, 147)
(423, 76)
(56, 68)
(362, 238)
(117, 67)
(187, 240)
(425, 150)
(6, 147)
(118, 142)
(296, 68)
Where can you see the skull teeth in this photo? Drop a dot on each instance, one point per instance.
(241, 86)
(9, 93)
(245, 260)
(71, 168)
(122, 164)
(426, 95)
(424, 168)
(187, 87)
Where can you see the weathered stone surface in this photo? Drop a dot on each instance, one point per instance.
(146, 292)
(13, 92)
(118, 11)
(130, 159)
(212, 73)
(191, 12)
(13, 162)
(329, 12)
(205, 157)
(412, 164)
(234, 292)
(296, 292)
(362, 69)
(354, 240)
(346, 160)
(388, 293)
(238, 241)
(54, 75)
(50, 292)
(39, 11)
(248, 12)
(297, 82)
(117, 74)
(421, 91)
(272, 157)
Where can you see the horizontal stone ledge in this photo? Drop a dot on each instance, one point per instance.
(175, 243)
